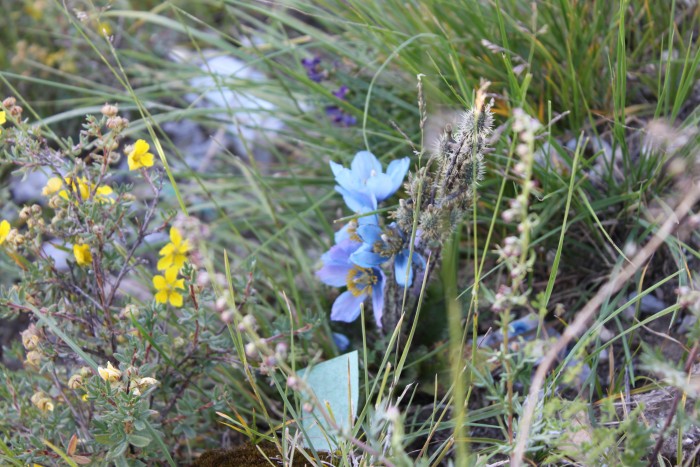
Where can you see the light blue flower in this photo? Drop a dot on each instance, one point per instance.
(362, 282)
(379, 246)
(365, 184)
(349, 230)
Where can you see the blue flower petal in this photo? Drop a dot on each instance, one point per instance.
(366, 258)
(340, 253)
(378, 297)
(333, 274)
(356, 200)
(364, 164)
(342, 234)
(370, 233)
(397, 172)
(418, 258)
(381, 186)
(401, 268)
(347, 180)
(341, 341)
(347, 307)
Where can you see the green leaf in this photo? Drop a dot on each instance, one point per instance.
(139, 441)
(335, 384)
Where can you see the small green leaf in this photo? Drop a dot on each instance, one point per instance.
(139, 441)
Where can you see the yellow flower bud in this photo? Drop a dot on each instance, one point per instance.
(75, 381)
(33, 359)
(42, 401)
(30, 337)
(110, 373)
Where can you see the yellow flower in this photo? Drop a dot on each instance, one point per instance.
(42, 401)
(174, 254)
(139, 156)
(2, 119)
(167, 286)
(82, 254)
(52, 186)
(110, 373)
(80, 188)
(4, 231)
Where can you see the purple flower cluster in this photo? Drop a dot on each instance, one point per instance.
(317, 73)
(314, 70)
(337, 115)
(362, 246)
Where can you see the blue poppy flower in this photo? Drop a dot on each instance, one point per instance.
(379, 246)
(365, 184)
(349, 230)
(338, 271)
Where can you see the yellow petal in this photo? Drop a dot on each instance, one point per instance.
(4, 230)
(131, 160)
(104, 191)
(147, 160)
(167, 250)
(175, 236)
(52, 186)
(171, 275)
(140, 147)
(185, 247)
(178, 261)
(3, 118)
(164, 263)
(175, 299)
(179, 284)
(159, 283)
(162, 296)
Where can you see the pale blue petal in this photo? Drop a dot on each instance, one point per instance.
(342, 234)
(397, 172)
(357, 201)
(401, 267)
(348, 181)
(378, 297)
(347, 307)
(381, 185)
(333, 274)
(368, 220)
(364, 164)
(340, 253)
(370, 233)
(341, 341)
(336, 168)
(366, 258)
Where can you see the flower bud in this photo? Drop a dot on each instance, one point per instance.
(109, 110)
(33, 359)
(251, 350)
(110, 373)
(75, 381)
(30, 337)
(42, 401)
